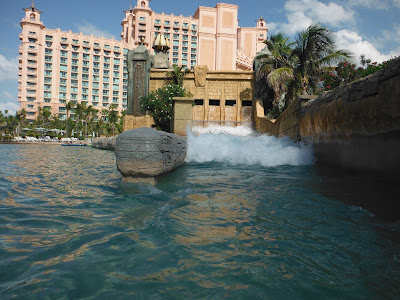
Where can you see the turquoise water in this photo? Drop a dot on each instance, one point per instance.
(69, 229)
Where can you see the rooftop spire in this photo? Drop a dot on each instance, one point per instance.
(33, 4)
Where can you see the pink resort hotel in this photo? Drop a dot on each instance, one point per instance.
(56, 66)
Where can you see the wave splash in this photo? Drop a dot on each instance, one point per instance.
(243, 146)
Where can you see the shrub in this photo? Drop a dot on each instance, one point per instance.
(159, 104)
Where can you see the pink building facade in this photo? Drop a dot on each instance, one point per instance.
(56, 66)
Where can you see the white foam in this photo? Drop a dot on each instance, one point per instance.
(239, 130)
(241, 146)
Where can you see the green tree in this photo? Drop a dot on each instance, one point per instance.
(70, 105)
(89, 113)
(314, 50)
(177, 75)
(79, 111)
(44, 115)
(159, 104)
(113, 117)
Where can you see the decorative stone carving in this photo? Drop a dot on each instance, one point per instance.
(200, 75)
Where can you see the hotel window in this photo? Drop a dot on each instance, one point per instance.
(96, 71)
(95, 92)
(63, 95)
(175, 60)
(96, 58)
(176, 23)
(194, 32)
(74, 68)
(74, 75)
(63, 61)
(75, 62)
(116, 67)
(74, 82)
(175, 54)
(115, 74)
(166, 30)
(86, 56)
(166, 23)
(176, 43)
(95, 85)
(63, 53)
(107, 47)
(116, 93)
(184, 55)
(64, 39)
(63, 81)
(47, 100)
(157, 21)
(184, 62)
(47, 94)
(85, 70)
(84, 91)
(95, 78)
(193, 50)
(106, 59)
(194, 26)
(105, 99)
(63, 88)
(85, 97)
(185, 44)
(95, 98)
(176, 30)
(116, 80)
(30, 99)
(48, 66)
(49, 38)
(116, 61)
(184, 49)
(106, 66)
(193, 62)
(106, 73)
(48, 44)
(106, 93)
(31, 69)
(75, 48)
(194, 39)
(47, 87)
(185, 25)
(48, 51)
(193, 45)
(106, 86)
(32, 40)
(115, 100)
(175, 48)
(106, 79)
(115, 87)
(185, 37)
(47, 80)
(74, 90)
(176, 36)
(75, 55)
(74, 96)
(85, 84)
(85, 63)
(193, 56)
(63, 74)
(185, 31)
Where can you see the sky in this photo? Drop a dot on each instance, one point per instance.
(370, 27)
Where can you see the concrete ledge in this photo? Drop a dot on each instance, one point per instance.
(144, 154)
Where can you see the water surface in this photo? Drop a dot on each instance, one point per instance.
(215, 228)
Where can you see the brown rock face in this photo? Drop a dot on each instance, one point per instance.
(145, 153)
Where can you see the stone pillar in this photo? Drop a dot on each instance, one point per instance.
(182, 115)
(139, 64)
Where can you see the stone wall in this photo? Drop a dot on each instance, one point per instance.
(234, 86)
(104, 143)
(354, 126)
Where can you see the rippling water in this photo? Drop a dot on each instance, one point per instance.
(70, 229)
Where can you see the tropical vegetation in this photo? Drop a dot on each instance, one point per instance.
(81, 121)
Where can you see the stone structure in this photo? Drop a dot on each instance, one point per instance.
(161, 47)
(144, 154)
(220, 97)
(354, 126)
(106, 143)
(182, 115)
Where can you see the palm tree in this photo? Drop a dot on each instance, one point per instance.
(44, 115)
(276, 66)
(314, 49)
(80, 108)
(113, 116)
(70, 105)
(178, 74)
(88, 113)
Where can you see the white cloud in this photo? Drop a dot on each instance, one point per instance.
(375, 4)
(352, 41)
(8, 102)
(89, 28)
(391, 35)
(396, 3)
(303, 13)
(8, 68)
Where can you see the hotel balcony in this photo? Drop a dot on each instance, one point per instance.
(177, 25)
(29, 72)
(30, 50)
(32, 35)
(118, 50)
(32, 66)
(75, 43)
(97, 46)
(64, 41)
(31, 80)
(21, 36)
(20, 58)
(167, 24)
(34, 58)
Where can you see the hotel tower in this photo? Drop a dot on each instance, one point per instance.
(56, 66)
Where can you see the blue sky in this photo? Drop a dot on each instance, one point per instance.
(370, 27)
